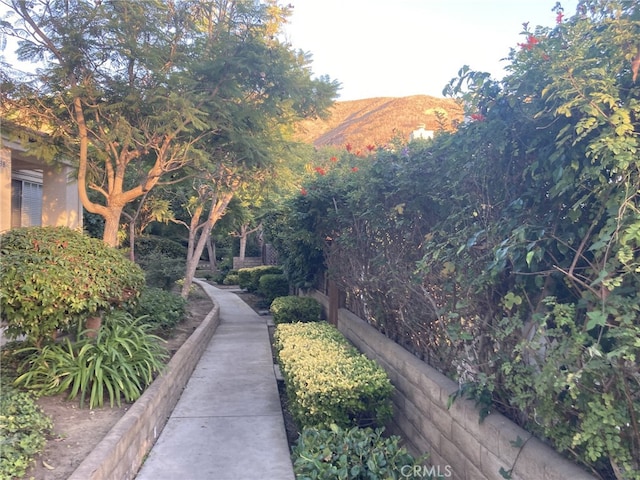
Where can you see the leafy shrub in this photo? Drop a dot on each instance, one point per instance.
(354, 454)
(121, 361)
(146, 246)
(231, 279)
(162, 272)
(23, 429)
(52, 277)
(273, 285)
(249, 278)
(162, 310)
(289, 309)
(328, 380)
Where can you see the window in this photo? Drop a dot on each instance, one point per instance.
(26, 203)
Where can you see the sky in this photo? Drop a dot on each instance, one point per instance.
(384, 48)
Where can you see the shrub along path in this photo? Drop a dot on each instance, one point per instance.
(228, 423)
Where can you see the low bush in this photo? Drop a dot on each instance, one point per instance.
(289, 309)
(230, 278)
(53, 277)
(121, 362)
(163, 310)
(150, 245)
(351, 454)
(273, 285)
(161, 272)
(23, 430)
(328, 381)
(249, 278)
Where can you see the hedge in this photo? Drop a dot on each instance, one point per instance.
(328, 381)
(272, 286)
(292, 308)
(249, 278)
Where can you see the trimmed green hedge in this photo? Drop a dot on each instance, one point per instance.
(328, 381)
(292, 308)
(249, 278)
(272, 286)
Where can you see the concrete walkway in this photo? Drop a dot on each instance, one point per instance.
(228, 423)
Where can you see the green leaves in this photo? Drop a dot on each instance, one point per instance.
(351, 454)
(119, 363)
(53, 277)
(23, 430)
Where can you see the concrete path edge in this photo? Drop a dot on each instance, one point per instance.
(122, 451)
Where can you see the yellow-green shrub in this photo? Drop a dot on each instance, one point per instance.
(328, 380)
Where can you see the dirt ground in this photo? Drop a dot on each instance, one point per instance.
(77, 431)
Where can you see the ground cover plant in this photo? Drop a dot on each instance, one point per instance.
(355, 453)
(507, 254)
(23, 430)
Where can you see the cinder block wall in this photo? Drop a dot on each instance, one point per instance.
(459, 447)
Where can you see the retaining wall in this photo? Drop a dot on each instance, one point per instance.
(459, 446)
(121, 452)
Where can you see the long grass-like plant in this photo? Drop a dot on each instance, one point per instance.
(121, 362)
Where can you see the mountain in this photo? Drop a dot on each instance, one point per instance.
(375, 121)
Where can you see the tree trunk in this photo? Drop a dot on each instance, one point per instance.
(211, 250)
(111, 226)
(197, 242)
(244, 233)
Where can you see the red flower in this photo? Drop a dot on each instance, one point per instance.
(348, 147)
(371, 148)
(320, 171)
(477, 117)
(531, 41)
(354, 169)
(303, 191)
(333, 159)
(559, 17)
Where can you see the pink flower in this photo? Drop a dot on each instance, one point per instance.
(303, 191)
(354, 169)
(320, 171)
(334, 159)
(477, 117)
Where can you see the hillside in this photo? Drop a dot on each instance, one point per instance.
(375, 121)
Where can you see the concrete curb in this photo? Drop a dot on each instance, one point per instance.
(122, 451)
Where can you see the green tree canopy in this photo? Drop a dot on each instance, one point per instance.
(134, 91)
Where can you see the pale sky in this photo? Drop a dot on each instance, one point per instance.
(384, 48)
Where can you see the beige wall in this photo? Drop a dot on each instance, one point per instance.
(61, 204)
(5, 189)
